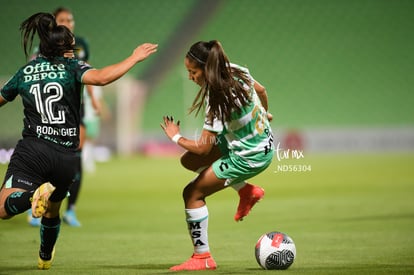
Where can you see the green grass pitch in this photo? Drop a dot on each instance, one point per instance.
(351, 214)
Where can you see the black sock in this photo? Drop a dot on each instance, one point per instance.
(18, 202)
(49, 232)
(75, 188)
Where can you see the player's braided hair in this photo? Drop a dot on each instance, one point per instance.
(224, 86)
(54, 40)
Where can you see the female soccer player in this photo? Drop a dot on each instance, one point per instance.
(64, 16)
(45, 160)
(236, 142)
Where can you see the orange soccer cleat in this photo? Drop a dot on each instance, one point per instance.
(202, 261)
(249, 196)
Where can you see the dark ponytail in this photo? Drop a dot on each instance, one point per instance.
(54, 40)
(224, 85)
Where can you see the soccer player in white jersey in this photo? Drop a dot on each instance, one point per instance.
(236, 142)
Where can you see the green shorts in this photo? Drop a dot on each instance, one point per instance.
(236, 169)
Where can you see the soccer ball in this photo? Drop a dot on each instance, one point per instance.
(275, 250)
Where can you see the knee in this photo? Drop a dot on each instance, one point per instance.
(53, 210)
(186, 162)
(2, 217)
(51, 214)
(186, 193)
(189, 193)
(3, 214)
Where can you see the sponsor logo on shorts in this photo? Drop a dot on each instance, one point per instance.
(25, 182)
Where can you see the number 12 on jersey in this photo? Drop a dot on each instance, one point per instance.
(52, 92)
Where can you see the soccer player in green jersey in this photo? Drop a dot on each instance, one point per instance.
(44, 163)
(64, 16)
(236, 142)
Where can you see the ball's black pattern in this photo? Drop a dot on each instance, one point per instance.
(279, 259)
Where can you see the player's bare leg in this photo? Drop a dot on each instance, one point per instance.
(194, 195)
(197, 163)
(249, 194)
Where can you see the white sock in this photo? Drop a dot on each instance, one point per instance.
(239, 185)
(197, 220)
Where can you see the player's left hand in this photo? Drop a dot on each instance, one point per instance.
(170, 127)
(143, 51)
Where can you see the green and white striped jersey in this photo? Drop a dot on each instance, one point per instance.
(248, 133)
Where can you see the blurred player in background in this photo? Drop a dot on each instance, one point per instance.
(91, 104)
(45, 161)
(236, 142)
(95, 110)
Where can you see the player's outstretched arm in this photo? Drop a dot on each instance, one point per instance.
(202, 146)
(108, 74)
(262, 94)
